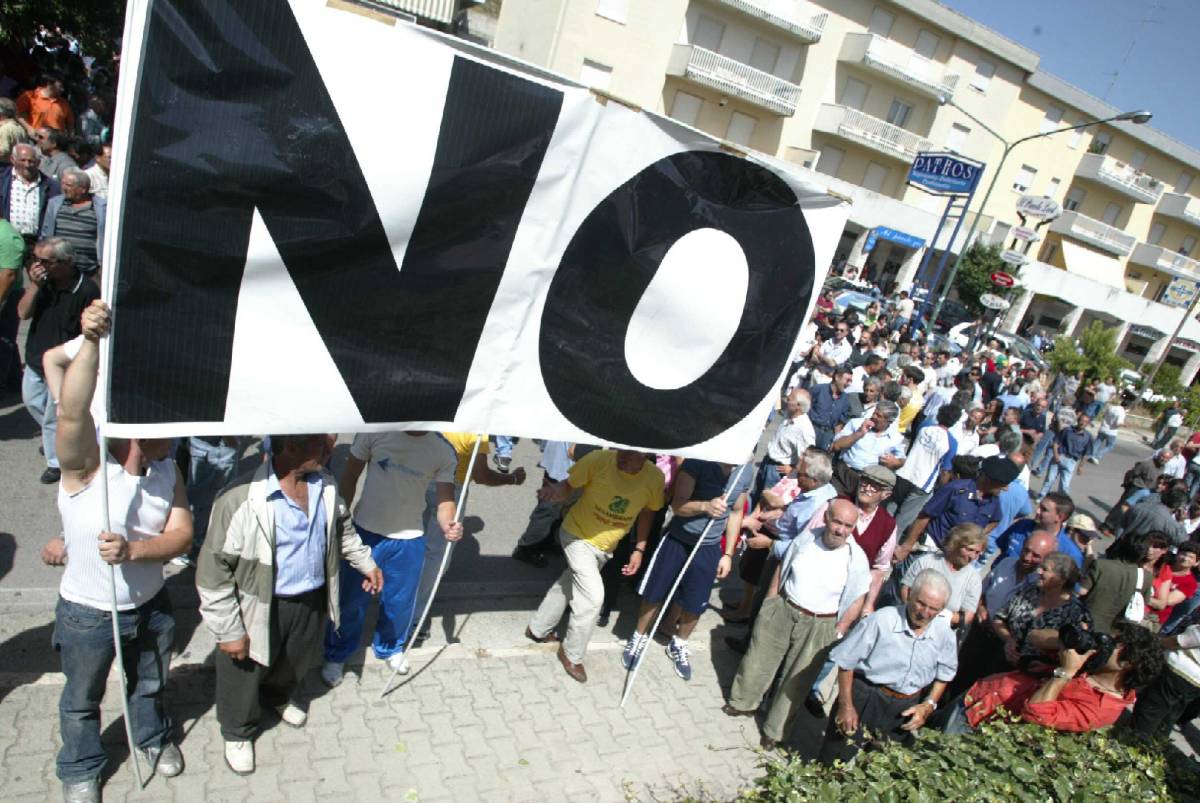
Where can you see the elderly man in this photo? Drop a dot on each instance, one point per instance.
(25, 192)
(1035, 418)
(268, 576)
(794, 434)
(866, 442)
(150, 525)
(822, 585)
(620, 491)
(884, 665)
(53, 146)
(830, 406)
(55, 297)
(78, 217)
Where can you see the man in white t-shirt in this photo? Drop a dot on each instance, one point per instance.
(904, 307)
(399, 465)
(835, 351)
(1106, 436)
(928, 460)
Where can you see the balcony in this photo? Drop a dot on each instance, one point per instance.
(1120, 177)
(885, 138)
(781, 18)
(734, 78)
(1094, 232)
(1159, 258)
(1181, 207)
(898, 63)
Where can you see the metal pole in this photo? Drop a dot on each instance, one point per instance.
(666, 603)
(937, 277)
(116, 628)
(1167, 351)
(925, 260)
(458, 513)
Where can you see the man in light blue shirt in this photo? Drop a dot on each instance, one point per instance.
(868, 441)
(813, 480)
(299, 538)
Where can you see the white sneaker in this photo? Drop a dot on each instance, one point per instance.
(398, 663)
(240, 757)
(293, 715)
(332, 673)
(181, 560)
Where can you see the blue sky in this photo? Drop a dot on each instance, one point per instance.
(1086, 42)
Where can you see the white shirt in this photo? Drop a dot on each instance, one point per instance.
(99, 181)
(1176, 420)
(838, 352)
(791, 439)
(24, 205)
(904, 307)
(1114, 417)
(857, 377)
(1176, 467)
(927, 457)
(825, 574)
(399, 469)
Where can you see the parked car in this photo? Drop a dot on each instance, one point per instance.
(851, 299)
(839, 283)
(1013, 343)
(941, 343)
(952, 314)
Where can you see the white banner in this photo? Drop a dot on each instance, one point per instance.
(328, 223)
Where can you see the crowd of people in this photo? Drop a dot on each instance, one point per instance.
(899, 570)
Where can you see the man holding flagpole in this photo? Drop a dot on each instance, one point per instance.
(156, 525)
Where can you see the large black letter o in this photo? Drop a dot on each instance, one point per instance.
(610, 262)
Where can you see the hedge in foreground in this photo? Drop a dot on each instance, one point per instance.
(1005, 760)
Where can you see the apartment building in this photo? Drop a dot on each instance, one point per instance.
(847, 92)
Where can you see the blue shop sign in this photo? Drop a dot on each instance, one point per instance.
(892, 235)
(945, 173)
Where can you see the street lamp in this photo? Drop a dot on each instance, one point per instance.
(1140, 116)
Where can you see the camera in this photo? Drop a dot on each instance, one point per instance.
(1074, 637)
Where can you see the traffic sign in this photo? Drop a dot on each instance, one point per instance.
(1002, 279)
(993, 302)
(1026, 234)
(1014, 258)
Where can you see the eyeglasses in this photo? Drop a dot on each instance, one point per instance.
(867, 485)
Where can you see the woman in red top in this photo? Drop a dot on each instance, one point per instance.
(1070, 700)
(1175, 582)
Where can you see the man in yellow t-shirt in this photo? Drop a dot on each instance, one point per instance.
(618, 489)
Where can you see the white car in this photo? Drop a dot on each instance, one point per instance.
(1014, 344)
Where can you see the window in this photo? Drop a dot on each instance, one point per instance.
(875, 176)
(854, 94)
(1055, 186)
(1111, 213)
(686, 108)
(1076, 138)
(984, 71)
(1156, 234)
(615, 10)
(927, 44)
(1024, 179)
(709, 33)
(1000, 232)
(1074, 198)
(1183, 182)
(898, 114)
(764, 56)
(1100, 143)
(957, 138)
(595, 74)
(1189, 245)
(830, 160)
(1052, 120)
(741, 128)
(1138, 159)
(881, 22)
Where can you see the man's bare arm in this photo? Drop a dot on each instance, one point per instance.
(78, 450)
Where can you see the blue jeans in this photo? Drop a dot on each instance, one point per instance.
(212, 468)
(768, 478)
(1042, 454)
(1061, 471)
(36, 396)
(504, 445)
(400, 561)
(1103, 444)
(83, 639)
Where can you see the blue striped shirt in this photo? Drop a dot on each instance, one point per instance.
(299, 538)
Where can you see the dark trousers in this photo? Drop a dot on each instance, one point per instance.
(981, 654)
(845, 479)
(83, 638)
(10, 356)
(297, 626)
(1161, 704)
(878, 712)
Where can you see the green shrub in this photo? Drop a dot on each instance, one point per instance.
(1005, 760)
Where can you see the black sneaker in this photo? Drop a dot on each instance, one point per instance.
(50, 476)
(530, 555)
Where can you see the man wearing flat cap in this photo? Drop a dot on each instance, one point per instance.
(960, 501)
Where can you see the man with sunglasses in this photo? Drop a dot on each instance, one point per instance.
(833, 352)
(53, 301)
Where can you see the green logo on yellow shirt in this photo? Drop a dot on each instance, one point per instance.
(618, 505)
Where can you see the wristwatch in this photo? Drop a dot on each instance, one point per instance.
(1061, 673)
(930, 702)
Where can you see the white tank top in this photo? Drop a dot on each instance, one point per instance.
(140, 504)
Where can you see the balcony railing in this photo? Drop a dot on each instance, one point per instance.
(900, 63)
(872, 132)
(1120, 177)
(1098, 233)
(735, 78)
(1159, 258)
(1181, 207)
(807, 32)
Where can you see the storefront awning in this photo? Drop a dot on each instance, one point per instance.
(1092, 265)
(893, 235)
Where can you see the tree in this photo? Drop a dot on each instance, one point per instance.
(974, 275)
(1096, 354)
(97, 24)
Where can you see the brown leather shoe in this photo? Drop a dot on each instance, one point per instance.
(767, 743)
(549, 638)
(729, 710)
(576, 671)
